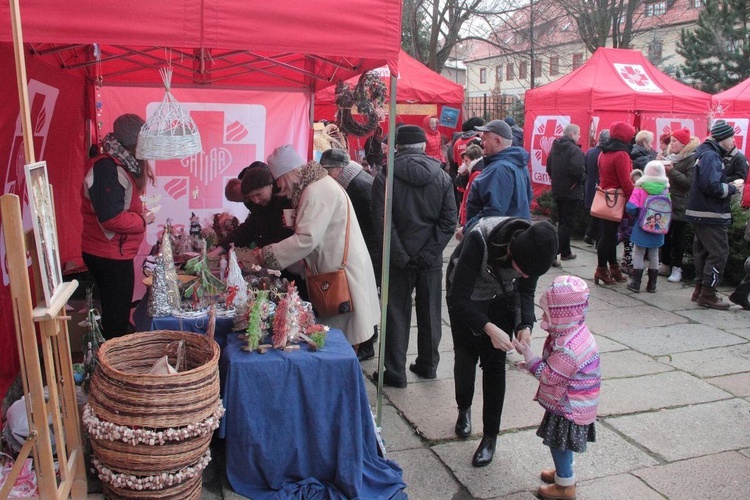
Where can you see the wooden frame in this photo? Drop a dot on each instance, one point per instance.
(45, 229)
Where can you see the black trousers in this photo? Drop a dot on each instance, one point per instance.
(468, 349)
(427, 286)
(114, 279)
(566, 214)
(606, 245)
(674, 246)
(710, 253)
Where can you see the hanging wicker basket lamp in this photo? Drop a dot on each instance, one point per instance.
(170, 133)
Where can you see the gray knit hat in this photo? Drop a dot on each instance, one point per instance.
(126, 129)
(283, 160)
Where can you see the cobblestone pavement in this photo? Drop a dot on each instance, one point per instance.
(674, 417)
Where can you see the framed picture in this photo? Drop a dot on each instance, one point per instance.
(449, 117)
(45, 228)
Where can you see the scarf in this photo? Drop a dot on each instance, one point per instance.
(116, 150)
(308, 174)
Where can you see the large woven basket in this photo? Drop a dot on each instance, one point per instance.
(189, 490)
(122, 391)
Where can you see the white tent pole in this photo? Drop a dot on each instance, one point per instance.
(23, 89)
(386, 263)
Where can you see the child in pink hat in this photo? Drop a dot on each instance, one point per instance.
(569, 380)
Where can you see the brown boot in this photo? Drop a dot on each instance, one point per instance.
(616, 272)
(548, 476)
(708, 298)
(696, 292)
(557, 492)
(602, 273)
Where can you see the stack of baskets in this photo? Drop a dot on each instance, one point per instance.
(150, 434)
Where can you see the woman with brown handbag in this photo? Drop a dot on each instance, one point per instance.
(614, 173)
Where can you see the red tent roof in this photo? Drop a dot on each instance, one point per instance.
(228, 42)
(734, 100)
(618, 79)
(416, 84)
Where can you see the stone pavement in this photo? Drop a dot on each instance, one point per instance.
(674, 416)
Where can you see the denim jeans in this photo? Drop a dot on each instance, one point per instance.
(563, 462)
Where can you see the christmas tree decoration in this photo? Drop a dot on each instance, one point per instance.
(235, 280)
(170, 271)
(207, 286)
(286, 321)
(257, 325)
(159, 303)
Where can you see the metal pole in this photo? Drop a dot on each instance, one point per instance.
(386, 262)
(531, 40)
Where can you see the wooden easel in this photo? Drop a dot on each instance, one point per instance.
(54, 344)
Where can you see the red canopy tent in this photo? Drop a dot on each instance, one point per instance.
(733, 106)
(614, 85)
(420, 92)
(210, 44)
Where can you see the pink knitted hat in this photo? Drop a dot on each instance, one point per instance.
(567, 301)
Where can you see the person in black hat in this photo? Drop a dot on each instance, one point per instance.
(709, 211)
(491, 280)
(264, 224)
(424, 218)
(115, 220)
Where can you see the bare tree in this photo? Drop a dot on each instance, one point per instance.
(600, 20)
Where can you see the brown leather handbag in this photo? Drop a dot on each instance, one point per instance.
(329, 292)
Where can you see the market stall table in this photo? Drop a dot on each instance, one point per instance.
(299, 423)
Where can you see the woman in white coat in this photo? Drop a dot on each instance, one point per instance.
(319, 235)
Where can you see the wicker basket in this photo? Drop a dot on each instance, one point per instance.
(123, 393)
(189, 490)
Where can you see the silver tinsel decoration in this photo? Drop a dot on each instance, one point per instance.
(170, 272)
(159, 303)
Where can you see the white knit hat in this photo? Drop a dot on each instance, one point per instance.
(283, 160)
(653, 172)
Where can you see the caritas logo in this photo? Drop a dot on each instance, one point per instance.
(546, 130)
(740, 126)
(232, 135)
(669, 125)
(635, 77)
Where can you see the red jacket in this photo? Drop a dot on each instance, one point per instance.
(434, 145)
(113, 227)
(615, 164)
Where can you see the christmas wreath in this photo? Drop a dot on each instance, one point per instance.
(368, 96)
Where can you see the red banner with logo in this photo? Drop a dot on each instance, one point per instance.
(57, 116)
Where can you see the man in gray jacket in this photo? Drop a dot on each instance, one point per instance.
(424, 218)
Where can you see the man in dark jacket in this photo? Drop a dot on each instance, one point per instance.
(517, 131)
(735, 165)
(504, 186)
(424, 217)
(708, 209)
(591, 161)
(358, 185)
(567, 172)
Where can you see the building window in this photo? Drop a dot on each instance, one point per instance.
(554, 66)
(482, 75)
(654, 51)
(523, 71)
(577, 60)
(696, 4)
(656, 8)
(509, 74)
(537, 69)
(499, 73)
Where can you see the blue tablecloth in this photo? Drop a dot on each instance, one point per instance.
(298, 425)
(224, 326)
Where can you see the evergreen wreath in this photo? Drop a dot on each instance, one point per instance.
(368, 95)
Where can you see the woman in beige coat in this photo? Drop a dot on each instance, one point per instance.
(319, 235)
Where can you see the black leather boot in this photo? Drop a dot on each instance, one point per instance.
(740, 294)
(653, 274)
(635, 281)
(485, 452)
(463, 424)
